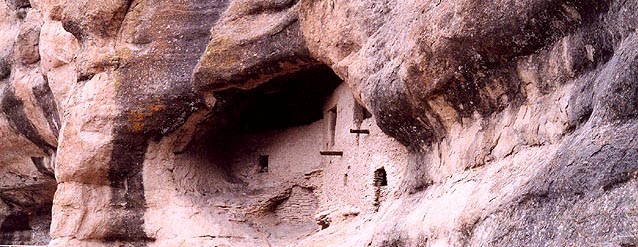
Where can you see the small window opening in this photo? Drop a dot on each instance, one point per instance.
(380, 177)
(345, 179)
(263, 163)
(380, 180)
(332, 121)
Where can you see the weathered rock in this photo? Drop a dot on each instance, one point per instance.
(18, 4)
(26, 49)
(318, 123)
(5, 69)
(21, 7)
(28, 130)
(255, 41)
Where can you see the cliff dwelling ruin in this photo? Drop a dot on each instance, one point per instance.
(278, 163)
(274, 166)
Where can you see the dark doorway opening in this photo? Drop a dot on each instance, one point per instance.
(263, 163)
(380, 177)
(380, 182)
(332, 125)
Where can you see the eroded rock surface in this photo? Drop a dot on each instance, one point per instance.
(318, 123)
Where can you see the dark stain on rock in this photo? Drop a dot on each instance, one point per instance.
(74, 28)
(13, 108)
(125, 175)
(5, 69)
(399, 117)
(147, 115)
(469, 69)
(46, 101)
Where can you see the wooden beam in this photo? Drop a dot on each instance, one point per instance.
(331, 153)
(354, 131)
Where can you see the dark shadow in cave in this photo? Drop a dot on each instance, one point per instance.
(15, 222)
(27, 226)
(287, 101)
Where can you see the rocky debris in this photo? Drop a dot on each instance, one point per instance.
(197, 123)
(335, 215)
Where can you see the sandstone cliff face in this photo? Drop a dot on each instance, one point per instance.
(318, 123)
